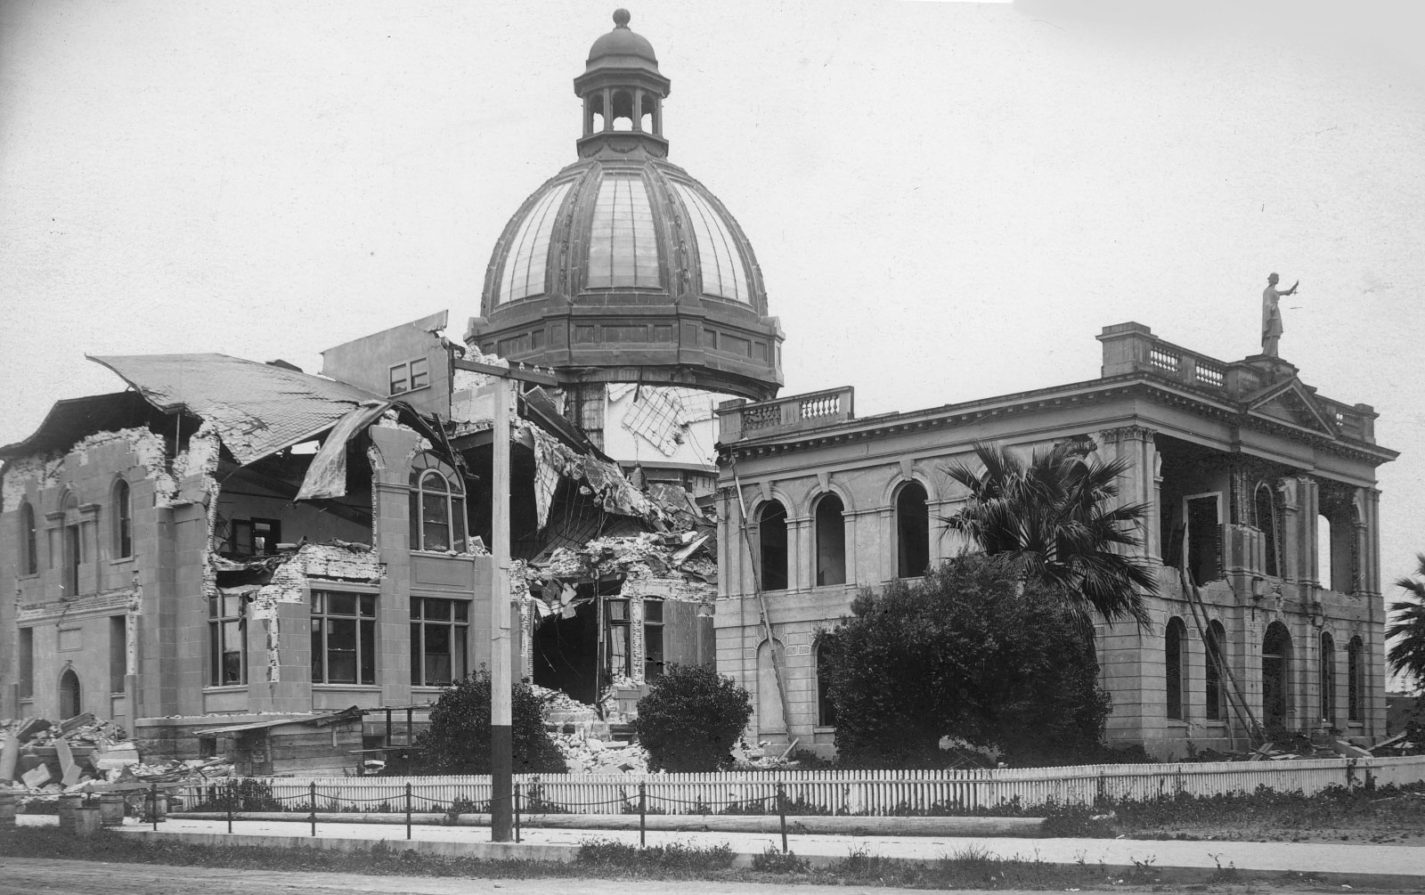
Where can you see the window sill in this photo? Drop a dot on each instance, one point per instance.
(822, 728)
(33, 576)
(219, 688)
(123, 560)
(367, 688)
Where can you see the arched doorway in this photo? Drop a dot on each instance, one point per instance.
(1276, 671)
(69, 702)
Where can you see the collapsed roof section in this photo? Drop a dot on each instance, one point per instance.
(257, 409)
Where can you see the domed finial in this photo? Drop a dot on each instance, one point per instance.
(621, 18)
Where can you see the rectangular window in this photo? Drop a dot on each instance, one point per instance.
(400, 379)
(73, 545)
(227, 640)
(343, 638)
(439, 633)
(617, 660)
(420, 373)
(652, 639)
(255, 537)
(118, 652)
(27, 663)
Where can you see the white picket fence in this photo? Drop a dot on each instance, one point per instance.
(841, 792)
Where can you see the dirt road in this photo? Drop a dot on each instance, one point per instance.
(38, 876)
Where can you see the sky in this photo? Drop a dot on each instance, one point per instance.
(948, 200)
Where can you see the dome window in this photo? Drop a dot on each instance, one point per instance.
(623, 247)
(529, 253)
(720, 261)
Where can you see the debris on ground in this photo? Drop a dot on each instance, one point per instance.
(88, 754)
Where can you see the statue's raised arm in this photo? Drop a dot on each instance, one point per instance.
(1272, 314)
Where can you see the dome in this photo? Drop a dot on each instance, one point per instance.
(623, 267)
(621, 48)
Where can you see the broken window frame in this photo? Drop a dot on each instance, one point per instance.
(618, 638)
(227, 620)
(123, 519)
(330, 621)
(426, 620)
(255, 537)
(432, 509)
(653, 654)
(1213, 557)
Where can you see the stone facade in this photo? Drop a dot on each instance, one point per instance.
(1243, 469)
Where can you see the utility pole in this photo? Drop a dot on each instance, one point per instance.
(501, 654)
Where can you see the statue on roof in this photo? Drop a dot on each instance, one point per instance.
(1272, 315)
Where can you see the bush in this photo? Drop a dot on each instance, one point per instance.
(458, 739)
(690, 719)
(964, 654)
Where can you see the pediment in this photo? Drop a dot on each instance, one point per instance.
(1291, 402)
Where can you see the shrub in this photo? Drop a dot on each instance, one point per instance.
(458, 739)
(690, 719)
(969, 652)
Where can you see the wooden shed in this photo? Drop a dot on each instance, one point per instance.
(304, 744)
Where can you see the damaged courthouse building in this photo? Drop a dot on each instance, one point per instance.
(232, 546)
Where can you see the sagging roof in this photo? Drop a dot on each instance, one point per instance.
(349, 714)
(257, 408)
(73, 418)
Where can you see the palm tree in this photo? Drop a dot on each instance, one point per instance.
(1407, 627)
(1057, 519)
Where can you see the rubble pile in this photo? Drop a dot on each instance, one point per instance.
(86, 754)
(586, 741)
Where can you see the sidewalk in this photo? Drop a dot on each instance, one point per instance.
(1356, 865)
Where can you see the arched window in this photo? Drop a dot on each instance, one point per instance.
(1328, 678)
(70, 703)
(29, 541)
(1174, 667)
(1267, 523)
(1276, 673)
(123, 520)
(912, 531)
(772, 539)
(1215, 670)
(437, 506)
(825, 708)
(1356, 679)
(830, 541)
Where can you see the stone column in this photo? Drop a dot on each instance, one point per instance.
(1141, 481)
(801, 553)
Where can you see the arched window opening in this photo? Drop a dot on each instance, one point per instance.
(825, 665)
(772, 541)
(912, 531)
(123, 521)
(1323, 551)
(1328, 679)
(1215, 671)
(70, 703)
(437, 506)
(622, 107)
(29, 541)
(1276, 670)
(648, 115)
(1267, 523)
(769, 697)
(830, 541)
(1175, 670)
(1356, 679)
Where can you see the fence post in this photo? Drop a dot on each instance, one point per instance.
(153, 805)
(408, 810)
(642, 814)
(782, 813)
(312, 796)
(231, 793)
(517, 812)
